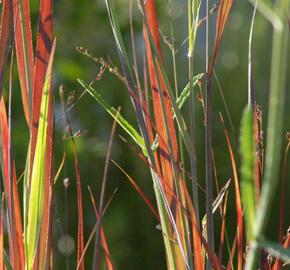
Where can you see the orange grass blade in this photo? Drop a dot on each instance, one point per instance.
(24, 52)
(155, 76)
(141, 193)
(165, 127)
(12, 197)
(222, 17)
(198, 256)
(6, 29)
(238, 199)
(104, 242)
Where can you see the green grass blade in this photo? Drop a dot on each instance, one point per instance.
(130, 130)
(35, 207)
(247, 169)
(275, 126)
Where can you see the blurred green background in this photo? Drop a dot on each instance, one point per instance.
(130, 227)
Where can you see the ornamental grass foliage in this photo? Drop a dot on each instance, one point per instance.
(193, 207)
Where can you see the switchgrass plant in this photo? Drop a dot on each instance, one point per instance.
(166, 138)
(164, 132)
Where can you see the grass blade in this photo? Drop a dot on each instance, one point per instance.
(222, 17)
(103, 239)
(239, 208)
(274, 128)
(16, 250)
(43, 49)
(247, 169)
(102, 194)
(24, 52)
(138, 189)
(36, 198)
(80, 236)
(130, 130)
(6, 29)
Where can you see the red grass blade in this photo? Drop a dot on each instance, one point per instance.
(104, 242)
(80, 248)
(43, 50)
(222, 17)
(198, 257)
(11, 194)
(238, 200)
(6, 29)
(155, 76)
(24, 52)
(141, 193)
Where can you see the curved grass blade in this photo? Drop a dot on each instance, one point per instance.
(130, 130)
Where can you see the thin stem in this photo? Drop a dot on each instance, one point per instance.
(193, 167)
(251, 99)
(208, 145)
(102, 196)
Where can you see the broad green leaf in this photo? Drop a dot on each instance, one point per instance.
(275, 250)
(131, 131)
(35, 205)
(247, 168)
